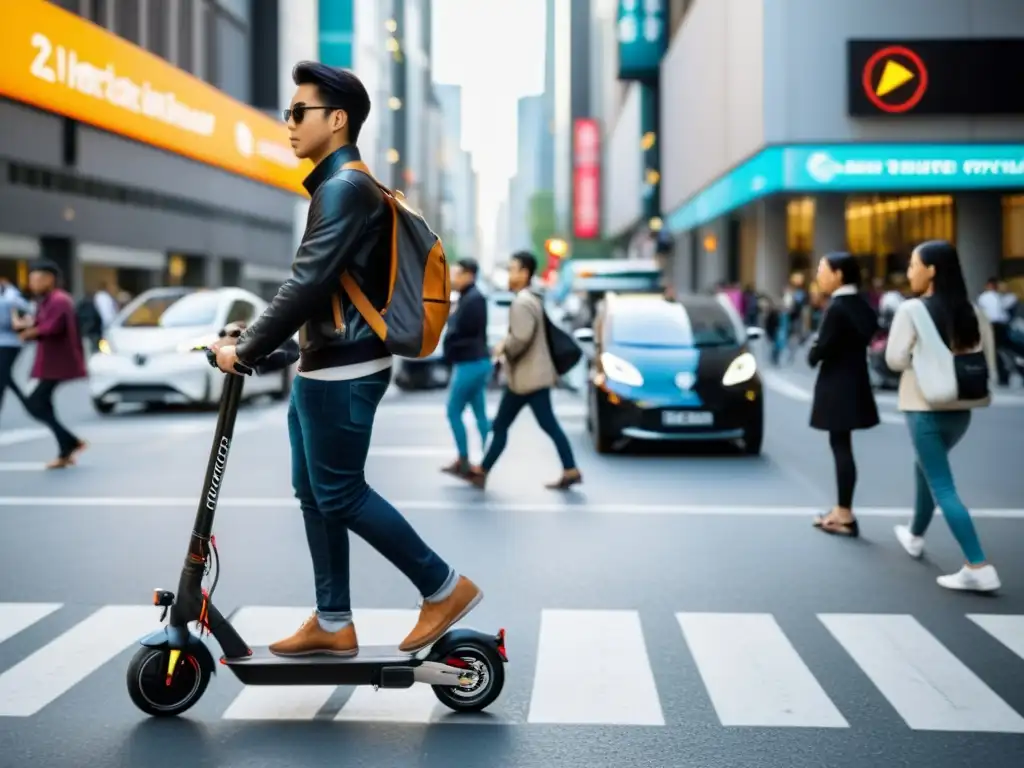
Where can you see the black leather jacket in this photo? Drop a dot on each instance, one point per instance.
(347, 216)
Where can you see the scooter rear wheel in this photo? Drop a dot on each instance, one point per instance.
(490, 672)
(150, 689)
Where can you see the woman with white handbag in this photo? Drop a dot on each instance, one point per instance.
(943, 346)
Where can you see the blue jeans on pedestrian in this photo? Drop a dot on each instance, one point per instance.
(330, 424)
(468, 387)
(934, 434)
(540, 403)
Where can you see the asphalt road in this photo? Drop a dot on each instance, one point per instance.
(677, 610)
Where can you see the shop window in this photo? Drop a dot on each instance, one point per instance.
(882, 231)
(800, 233)
(185, 55)
(96, 11)
(1012, 266)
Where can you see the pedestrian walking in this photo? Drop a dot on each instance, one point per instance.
(531, 376)
(13, 309)
(843, 399)
(465, 349)
(59, 356)
(944, 348)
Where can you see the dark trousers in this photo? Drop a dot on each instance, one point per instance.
(846, 468)
(7, 357)
(39, 404)
(1001, 337)
(330, 424)
(540, 403)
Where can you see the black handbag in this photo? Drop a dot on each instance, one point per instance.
(972, 375)
(565, 352)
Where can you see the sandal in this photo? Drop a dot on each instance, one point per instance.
(837, 528)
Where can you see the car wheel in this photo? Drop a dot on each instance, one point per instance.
(102, 407)
(602, 440)
(753, 436)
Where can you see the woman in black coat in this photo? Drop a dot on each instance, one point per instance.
(843, 399)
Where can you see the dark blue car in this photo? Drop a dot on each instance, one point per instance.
(672, 370)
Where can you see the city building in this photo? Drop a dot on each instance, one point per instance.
(531, 137)
(142, 146)
(459, 214)
(796, 127)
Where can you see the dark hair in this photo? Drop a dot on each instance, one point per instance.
(951, 306)
(846, 265)
(470, 265)
(44, 265)
(338, 88)
(527, 261)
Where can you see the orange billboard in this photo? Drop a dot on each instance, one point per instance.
(62, 63)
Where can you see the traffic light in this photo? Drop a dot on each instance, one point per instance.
(555, 248)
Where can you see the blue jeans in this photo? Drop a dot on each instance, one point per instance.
(540, 404)
(330, 423)
(468, 386)
(934, 434)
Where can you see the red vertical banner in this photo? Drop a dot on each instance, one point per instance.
(586, 179)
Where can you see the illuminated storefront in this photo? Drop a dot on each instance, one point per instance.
(125, 169)
(874, 148)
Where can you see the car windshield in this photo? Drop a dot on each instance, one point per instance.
(175, 311)
(674, 326)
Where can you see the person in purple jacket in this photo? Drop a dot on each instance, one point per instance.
(59, 356)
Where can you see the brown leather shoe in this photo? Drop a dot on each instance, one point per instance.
(436, 618)
(311, 640)
(568, 479)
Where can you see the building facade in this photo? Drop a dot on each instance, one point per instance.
(795, 127)
(459, 180)
(531, 140)
(138, 144)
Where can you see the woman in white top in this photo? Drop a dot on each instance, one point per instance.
(944, 347)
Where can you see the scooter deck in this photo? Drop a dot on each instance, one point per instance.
(381, 665)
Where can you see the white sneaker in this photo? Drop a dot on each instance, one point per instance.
(984, 579)
(913, 544)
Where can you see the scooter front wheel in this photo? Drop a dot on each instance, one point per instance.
(489, 674)
(164, 687)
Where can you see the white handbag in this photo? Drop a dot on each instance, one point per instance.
(932, 361)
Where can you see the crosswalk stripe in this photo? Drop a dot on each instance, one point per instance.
(593, 669)
(259, 625)
(753, 674)
(406, 705)
(1008, 630)
(925, 683)
(15, 617)
(51, 671)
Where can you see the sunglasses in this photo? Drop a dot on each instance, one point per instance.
(298, 112)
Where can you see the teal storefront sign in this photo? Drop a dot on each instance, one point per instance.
(855, 168)
(336, 33)
(642, 37)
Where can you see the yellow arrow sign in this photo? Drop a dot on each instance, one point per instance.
(893, 76)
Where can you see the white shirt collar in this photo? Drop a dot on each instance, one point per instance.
(845, 290)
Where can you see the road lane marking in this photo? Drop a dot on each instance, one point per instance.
(924, 682)
(1008, 630)
(592, 669)
(753, 674)
(13, 503)
(16, 617)
(263, 625)
(417, 704)
(22, 466)
(55, 668)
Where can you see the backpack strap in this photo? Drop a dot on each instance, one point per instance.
(362, 304)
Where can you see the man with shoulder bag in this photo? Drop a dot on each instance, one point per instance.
(532, 371)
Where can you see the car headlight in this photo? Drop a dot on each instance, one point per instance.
(202, 341)
(617, 369)
(104, 347)
(740, 370)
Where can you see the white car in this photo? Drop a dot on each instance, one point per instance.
(147, 354)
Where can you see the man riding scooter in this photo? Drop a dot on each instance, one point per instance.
(344, 371)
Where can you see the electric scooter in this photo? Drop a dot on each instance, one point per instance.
(172, 669)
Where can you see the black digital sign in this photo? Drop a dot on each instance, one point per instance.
(935, 77)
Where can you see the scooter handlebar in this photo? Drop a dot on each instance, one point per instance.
(211, 357)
